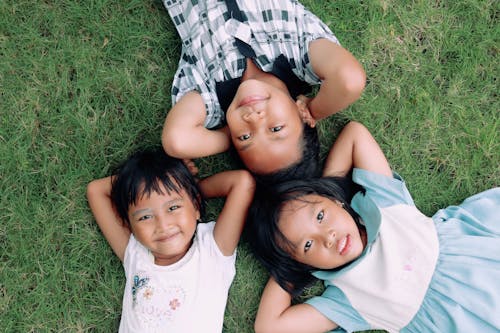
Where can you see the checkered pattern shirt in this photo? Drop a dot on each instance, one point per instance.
(209, 54)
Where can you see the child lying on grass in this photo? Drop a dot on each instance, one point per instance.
(178, 269)
(385, 265)
(249, 64)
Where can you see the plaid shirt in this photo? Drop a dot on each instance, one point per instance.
(209, 54)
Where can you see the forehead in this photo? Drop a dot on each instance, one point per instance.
(159, 190)
(293, 222)
(301, 208)
(298, 208)
(164, 185)
(267, 156)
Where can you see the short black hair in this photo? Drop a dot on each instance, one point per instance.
(308, 166)
(144, 172)
(267, 241)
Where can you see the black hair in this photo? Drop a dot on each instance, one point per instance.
(269, 244)
(144, 172)
(308, 166)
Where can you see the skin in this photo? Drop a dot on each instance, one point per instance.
(323, 233)
(165, 223)
(343, 79)
(265, 121)
(355, 147)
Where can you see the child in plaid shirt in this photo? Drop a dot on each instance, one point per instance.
(248, 65)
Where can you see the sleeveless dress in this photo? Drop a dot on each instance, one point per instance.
(418, 274)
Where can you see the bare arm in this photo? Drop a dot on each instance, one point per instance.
(355, 147)
(343, 78)
(184, 134)
(98, 196)
(276, 314)
(238, 188)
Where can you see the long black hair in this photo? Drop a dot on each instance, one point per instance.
(144, 172)
(269, 244)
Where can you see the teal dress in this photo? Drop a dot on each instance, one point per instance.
(418, 274)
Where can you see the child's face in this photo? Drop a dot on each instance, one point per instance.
(266, 127)
(323, 233)
(165, 224)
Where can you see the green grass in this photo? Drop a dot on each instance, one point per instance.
(84, 83)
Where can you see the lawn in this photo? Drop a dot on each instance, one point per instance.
(83, 83)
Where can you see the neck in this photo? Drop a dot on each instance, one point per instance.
(253, 72)
(364, 236)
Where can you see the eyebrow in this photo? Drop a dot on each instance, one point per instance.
(169, 202)
(140, 212)
(273, 138)
(311, 209)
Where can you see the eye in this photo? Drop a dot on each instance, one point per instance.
(308, 245)
(276, 128)
(244, 137)
(174, 207)
(320, 216)
(145, 217)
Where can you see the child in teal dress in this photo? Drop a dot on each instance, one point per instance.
(385, 265)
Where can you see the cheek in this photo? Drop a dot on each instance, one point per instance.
(141, 233)
(189, 222)
(231, 118)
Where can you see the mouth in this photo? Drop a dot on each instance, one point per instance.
(253, 99)
(166, 238)
(344, 245)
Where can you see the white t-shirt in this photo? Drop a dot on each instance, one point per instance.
(188, 296)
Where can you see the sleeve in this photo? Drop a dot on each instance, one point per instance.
(133, 249)
(208, 246)
(384, 191)
(312, 29)
(188, 78)
(334, 305)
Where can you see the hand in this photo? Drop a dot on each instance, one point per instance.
(193, 169)
(305, 114)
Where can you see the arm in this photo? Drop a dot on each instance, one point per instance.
(117, 234)
(276, 314)
(343, 78)
(355, 147)
(184, 134)
(238, 188)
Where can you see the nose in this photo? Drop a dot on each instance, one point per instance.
(253, 115)
(162, 223)
(330, 238)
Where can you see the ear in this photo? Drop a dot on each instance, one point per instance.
(304, 112)
(339, 203)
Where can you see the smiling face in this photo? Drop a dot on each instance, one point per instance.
(266, 127)
(324, 235)
(165, 224)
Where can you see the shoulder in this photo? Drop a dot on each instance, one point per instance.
(384, 191)
(211, 260)
(334, 305)
(136, 253)
(206, 241)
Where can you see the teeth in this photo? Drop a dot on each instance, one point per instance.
(342, 244)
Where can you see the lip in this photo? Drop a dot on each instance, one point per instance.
(344, 245)
(249, 100)
(166, 238)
